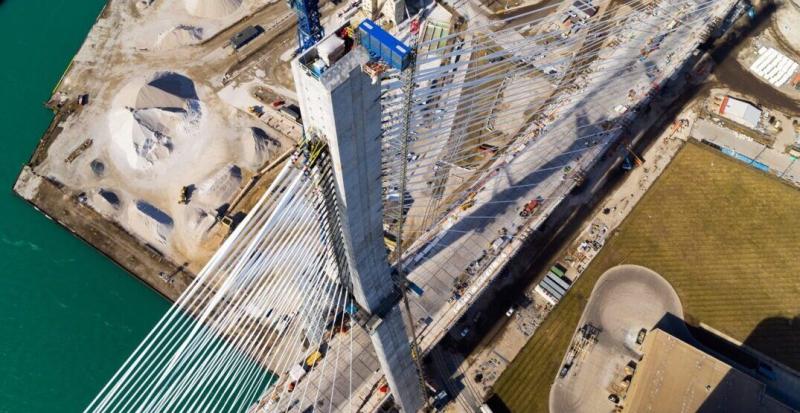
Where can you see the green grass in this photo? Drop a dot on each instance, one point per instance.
(727, 237)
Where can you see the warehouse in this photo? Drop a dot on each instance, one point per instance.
(774, 67)
(740, 112)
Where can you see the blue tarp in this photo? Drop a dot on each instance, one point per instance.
(746, 159)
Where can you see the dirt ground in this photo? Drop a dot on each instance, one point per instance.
(723, 234)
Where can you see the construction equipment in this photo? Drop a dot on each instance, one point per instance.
(415, 25)
(531, 207)
(309, 28)
(579, 179)
(632, 160)
(469, 202)
(374, 69)
(258, 111)
(186, 194)
(313, 359)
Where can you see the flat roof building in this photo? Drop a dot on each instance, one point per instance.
(774, 67)
(674, 376)
(740, 112)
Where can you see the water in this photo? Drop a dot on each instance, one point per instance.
(68, 316)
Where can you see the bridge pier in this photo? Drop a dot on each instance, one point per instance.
(341, 105)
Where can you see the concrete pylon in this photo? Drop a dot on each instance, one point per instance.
(341, 104)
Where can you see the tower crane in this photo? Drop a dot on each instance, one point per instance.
(309, 28)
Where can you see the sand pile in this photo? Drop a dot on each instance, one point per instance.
(166, 90)
(198, 223)
(107, 202)
(218, 189)
(150, 118)
(258, 147)
(179, 36)
(153, 223)
(212, 8)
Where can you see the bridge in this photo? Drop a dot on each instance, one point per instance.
(403, 202)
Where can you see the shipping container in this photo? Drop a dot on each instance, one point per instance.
(559, 280)
(548, 282)
(556, 293)
(382, 45)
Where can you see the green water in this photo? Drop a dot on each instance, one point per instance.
(68, 316)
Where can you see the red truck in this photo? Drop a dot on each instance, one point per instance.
(531, 207)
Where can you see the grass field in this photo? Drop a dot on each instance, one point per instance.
(727, 238)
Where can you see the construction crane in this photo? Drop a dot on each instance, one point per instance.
(309, 28)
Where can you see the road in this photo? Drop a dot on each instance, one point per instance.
(456, 381)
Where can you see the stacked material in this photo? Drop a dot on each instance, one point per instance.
(258, 147)
(152, 222)
(774, 67)
(219, 188)
(178, 36)
(148, 119)
(212, 8)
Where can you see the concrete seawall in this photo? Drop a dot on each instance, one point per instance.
(110, 239)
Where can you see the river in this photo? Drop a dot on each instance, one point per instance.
(68, 316)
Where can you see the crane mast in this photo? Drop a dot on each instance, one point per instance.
(309, 28)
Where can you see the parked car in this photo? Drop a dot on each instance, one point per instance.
(640, 336)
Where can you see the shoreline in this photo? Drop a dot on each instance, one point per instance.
(103, 236)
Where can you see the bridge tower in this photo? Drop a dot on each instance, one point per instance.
(341, 105)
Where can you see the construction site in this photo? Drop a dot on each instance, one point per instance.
(326, 189)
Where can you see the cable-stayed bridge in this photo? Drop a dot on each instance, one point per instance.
(303, 308)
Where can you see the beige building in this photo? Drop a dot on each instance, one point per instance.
(675, 376)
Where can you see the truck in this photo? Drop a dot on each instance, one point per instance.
(497, 245)
(313, 359)
(245, 36)
(531, 207)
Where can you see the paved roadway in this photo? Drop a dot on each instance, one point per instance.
(781, 164)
